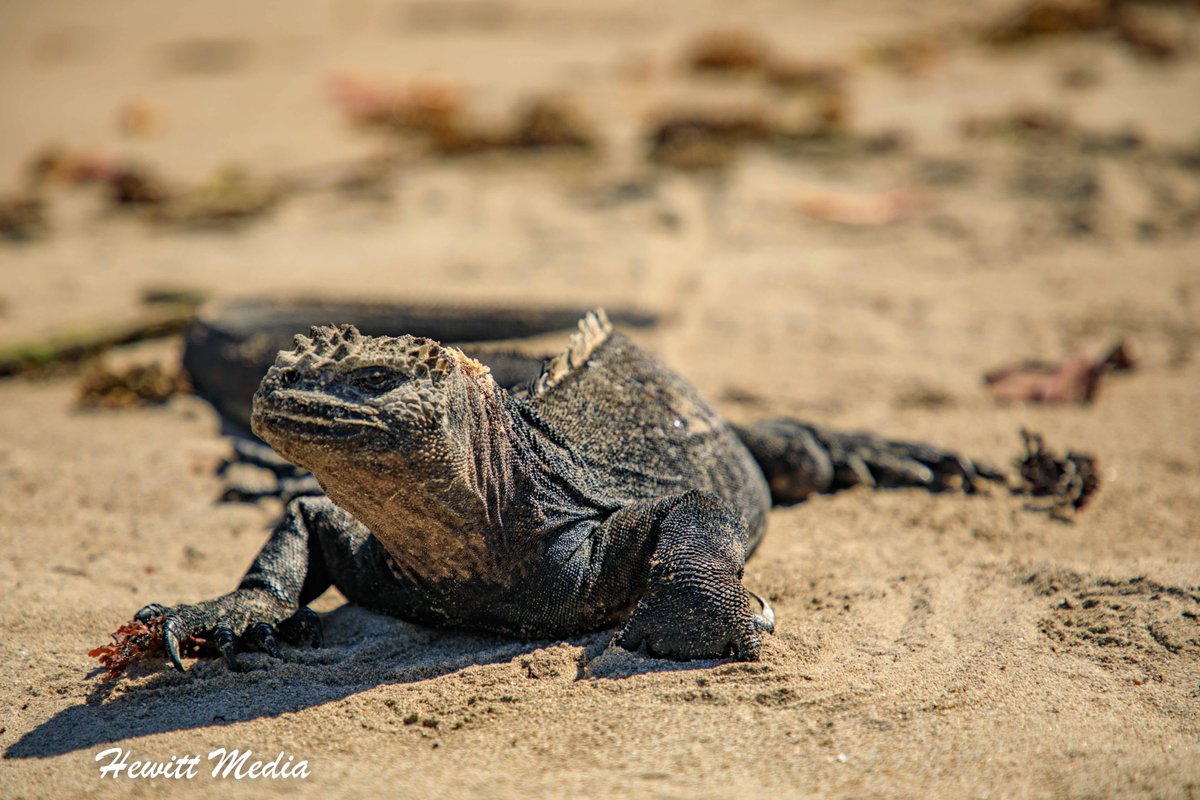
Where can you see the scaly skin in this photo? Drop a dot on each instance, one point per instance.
(606, 493)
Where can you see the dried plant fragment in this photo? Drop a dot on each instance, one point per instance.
(879, 208)
(71, 346)
(1021, 122)
(424, 108)
(727, 51)
(128, 183)
(1073, 380)
(436, 114)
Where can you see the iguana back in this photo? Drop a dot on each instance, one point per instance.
(640, 430)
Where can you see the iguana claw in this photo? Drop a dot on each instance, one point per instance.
(171, 640)
(765, 620)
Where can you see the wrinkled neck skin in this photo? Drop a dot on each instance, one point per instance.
(440, 500)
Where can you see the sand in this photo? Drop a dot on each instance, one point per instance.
(928, 646)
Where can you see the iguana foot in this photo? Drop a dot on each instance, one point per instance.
(694, 605)
(241, 620)
(685, 620)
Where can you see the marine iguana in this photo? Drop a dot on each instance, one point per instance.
(604, 492)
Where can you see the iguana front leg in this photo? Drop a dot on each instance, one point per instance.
(799, 459)
(315, 545)
(694, 605)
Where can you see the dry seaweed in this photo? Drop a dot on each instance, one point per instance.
(1025, 122)
(231, 195)
(172, 295)
(1068, 482)
(436, 114)
(138, 385)
(127, 183)
(705, 138)
(1040, 18)
(551, 123)
(541, 123)
(22, 218)
(734, 51)
(133, 641)
(1043, 18)
(137, 641)
(73, 346)
(805, 76)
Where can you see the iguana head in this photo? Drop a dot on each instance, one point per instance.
(407, 435)
(338, 397)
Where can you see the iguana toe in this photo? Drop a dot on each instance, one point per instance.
(262, 636)
(303, 627)
(152, 611)
(225, 640)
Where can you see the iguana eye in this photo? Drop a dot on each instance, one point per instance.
(374, 379)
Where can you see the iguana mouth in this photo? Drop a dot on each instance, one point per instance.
(314, 415)
(326, 428)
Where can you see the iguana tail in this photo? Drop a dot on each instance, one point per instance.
(799, 459)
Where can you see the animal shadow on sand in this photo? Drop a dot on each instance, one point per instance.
(363, 650)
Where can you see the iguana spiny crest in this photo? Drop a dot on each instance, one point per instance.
(594, 329)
